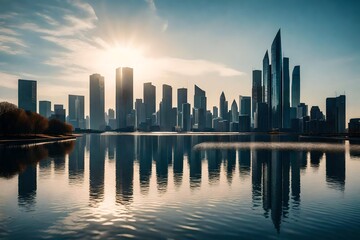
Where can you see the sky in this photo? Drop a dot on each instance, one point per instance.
(214, 44)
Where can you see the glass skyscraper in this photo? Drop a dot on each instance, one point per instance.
(149, 99)
(97, 102)
(124, 95)
(27, 95)
(295, 87)
(286, 94)
(276, 83)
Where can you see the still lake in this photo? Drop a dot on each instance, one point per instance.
(171, 186)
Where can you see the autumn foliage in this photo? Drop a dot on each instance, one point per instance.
(17, 121)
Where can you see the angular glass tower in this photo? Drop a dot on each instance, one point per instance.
(286, 94)
(165, 108)
(27, 95)
(266, 80)
(256, 91)
(124, 95)
(276, 83)
(76, 111)
(149, 99)
(295, 87)
(97, 103)
(199, 108)
(223, 108)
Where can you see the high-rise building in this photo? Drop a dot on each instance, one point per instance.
(315, 113)
(276, 83)
(45, 108)
(215, 112)
(76, 111)
(112, 120)
(199, 109)
(335, 114)
(166, 108)
(186, 122)
(245, 105)
(140, 112)
(256, 91)
(149, 99)
(266, 93)
(97, 102)
(59, 112)
(111, 113)
(295, 87)
(286, 94)
(234, 112)
(124, 95)
(181, 99)
(223, 106)
(27, 95)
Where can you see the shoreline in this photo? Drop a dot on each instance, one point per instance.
(36, 139)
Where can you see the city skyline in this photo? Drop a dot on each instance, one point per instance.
(323, 63)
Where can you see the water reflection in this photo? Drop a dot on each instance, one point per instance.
(274, 173)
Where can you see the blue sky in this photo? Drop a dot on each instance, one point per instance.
(215, 44)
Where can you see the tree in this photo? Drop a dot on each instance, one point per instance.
(6, 107)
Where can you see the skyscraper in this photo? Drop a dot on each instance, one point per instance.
(245, 105)
(215, 112)
(223, 106)
(234, 112)
(166, 108)
(266, 93)
(256, 91)
(124, 95)
(181, 99)
(295, 87)
(45, 108)
(186, 122)
(140, 112)
(76, 111)
(97, 103)
(149, 99)
(276, 83)
(27, 95)
(286, 94)
(199, 108)
(335, 114)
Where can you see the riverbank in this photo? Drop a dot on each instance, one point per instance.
(26, 139)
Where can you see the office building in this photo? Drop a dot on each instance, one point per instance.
(27, 95)
(295, 87)
(76, 111)
(124, 96)
(335, 114)
(140, 112)
(199, 109)
(245, 105)
(234, 112)
(286, 94)
(181, 99)
(256, 91)
(149, 99)
(165, 108)
(186, 121)
(97, 102)
(276, 83)
(45, 108)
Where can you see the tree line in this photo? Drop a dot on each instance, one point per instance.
(14, 120)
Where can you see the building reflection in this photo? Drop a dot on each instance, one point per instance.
(27, 185)
(163, 159)
(244, 162)
(145, 155)
(335, 169)
(125, 153)
(178, 166)
(96, 168)
(194, 161)
(76, 162)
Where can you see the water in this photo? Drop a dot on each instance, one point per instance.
(181, 187)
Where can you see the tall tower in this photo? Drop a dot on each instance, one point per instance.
(76, 111)
(286, 94)
(199, 108)
(97, 103)
(149, 99)
(165, 108)
(276, 83)
(27, 95)
(124, 95)
(223, 106)
(256, 91)
(295, 87)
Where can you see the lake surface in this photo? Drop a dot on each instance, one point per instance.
(181, 187)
